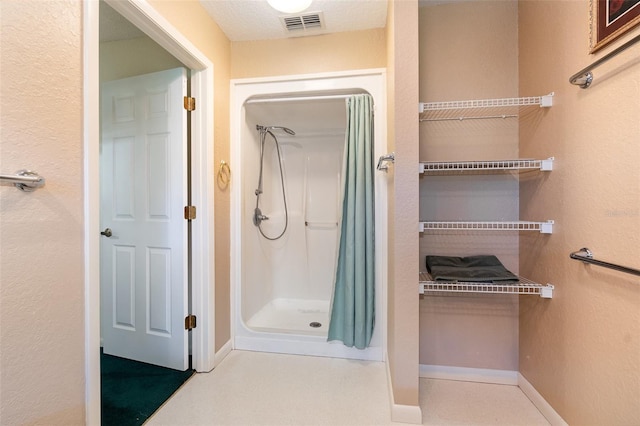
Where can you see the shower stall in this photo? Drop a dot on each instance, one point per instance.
(288, 141)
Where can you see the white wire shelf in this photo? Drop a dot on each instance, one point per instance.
(542, 227)
(544, 102)
(493, 166)
(523, 286)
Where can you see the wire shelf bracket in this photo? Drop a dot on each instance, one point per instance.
(523, 286)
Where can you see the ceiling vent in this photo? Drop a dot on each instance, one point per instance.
(303, 23)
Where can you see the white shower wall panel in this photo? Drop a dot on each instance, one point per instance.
(322, 213)
(288, 262)
(303, 260)
(257, 269)
(301, 264)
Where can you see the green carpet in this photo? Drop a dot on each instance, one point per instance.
(132, 391)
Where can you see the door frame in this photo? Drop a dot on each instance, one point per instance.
(158, 28)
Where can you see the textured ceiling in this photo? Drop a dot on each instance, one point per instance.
(256, 20)
(243, 20)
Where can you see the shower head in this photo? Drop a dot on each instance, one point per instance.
(269, 128)
(286, 129)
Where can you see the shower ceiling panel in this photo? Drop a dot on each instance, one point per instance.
(304, 117)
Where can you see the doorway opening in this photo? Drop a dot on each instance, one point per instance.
(144, 267)
(150, 22)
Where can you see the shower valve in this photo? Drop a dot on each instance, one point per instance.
(258, 217)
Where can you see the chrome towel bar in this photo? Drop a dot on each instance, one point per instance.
(584, 77)
(587, 257)
(24, 180)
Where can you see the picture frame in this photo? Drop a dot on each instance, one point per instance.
(610, 19)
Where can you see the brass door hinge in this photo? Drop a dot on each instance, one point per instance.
(189, 103)
(189, 212)
(190, 322)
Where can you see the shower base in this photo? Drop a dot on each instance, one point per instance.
(284, 326)
(298, 316)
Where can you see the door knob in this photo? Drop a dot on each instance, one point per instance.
(107, 232)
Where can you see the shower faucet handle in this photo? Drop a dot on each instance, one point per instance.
(258, 217)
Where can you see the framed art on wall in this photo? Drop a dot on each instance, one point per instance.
(610, 19)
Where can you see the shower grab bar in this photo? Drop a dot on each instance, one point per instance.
(588, 258)
(322, 225)
(384, 159)
(584, 77)
(24, 180)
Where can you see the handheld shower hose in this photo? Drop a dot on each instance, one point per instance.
(258, 217)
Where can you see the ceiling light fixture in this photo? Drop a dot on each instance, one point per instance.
(289, 6)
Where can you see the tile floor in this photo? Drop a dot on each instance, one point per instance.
(254, 388)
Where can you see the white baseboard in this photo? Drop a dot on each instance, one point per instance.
(541, 404)
(500, 377)
(306, 345)
(411, 414)
(481, 375)
(402, 413)
(222, 353)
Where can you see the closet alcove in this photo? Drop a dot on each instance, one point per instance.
(471, 117)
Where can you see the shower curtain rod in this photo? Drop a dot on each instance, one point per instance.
(301, 98)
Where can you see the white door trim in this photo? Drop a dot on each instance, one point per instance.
(145, 17)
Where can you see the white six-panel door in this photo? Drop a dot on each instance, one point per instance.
(143, 191)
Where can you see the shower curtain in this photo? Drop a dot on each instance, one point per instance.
(352, 312)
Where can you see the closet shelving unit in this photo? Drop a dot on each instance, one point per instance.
(444, 111)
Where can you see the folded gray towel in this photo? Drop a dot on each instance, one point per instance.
(482, 268)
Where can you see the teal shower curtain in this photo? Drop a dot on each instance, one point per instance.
(352, 312)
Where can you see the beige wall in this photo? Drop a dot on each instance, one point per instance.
(303, 55)
(41, 265)
(128, 58)
(192, 20)
(582, 350)
(460, 60)
(42, 378)
(402, 92)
